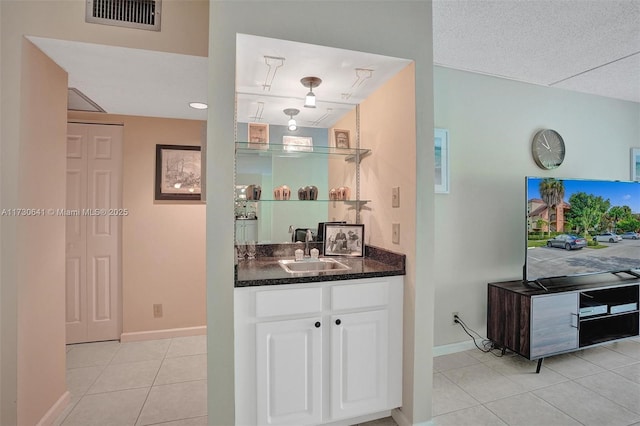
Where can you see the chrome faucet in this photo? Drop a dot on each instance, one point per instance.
(307, 238)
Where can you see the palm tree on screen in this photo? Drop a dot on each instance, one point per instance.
(552, 193)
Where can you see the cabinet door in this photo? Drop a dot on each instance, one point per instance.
(554, 324)
(289, 368)
(359, 363)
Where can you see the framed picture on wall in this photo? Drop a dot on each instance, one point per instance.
(635, 164)
(343, 240)
(297, 143)
(341, 138)
(178, 172)
(258, 135)
(442, 161)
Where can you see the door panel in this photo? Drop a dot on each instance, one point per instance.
(359, 363)
(94, 170)
(289, 365)
(554, 324)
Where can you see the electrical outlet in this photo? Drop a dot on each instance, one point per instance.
(157, 310)
(453, 318)
(395, 197)
(395, 233)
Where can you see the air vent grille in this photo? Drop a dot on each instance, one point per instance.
(141, 14)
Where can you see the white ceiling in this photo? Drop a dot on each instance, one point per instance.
(590, 46)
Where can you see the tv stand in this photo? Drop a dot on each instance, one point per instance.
(566, 315)
(632, 273)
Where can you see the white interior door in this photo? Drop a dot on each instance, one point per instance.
(93, 228)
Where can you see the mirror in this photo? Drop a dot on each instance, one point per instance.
(270, 155)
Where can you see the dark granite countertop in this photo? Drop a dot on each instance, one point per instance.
(265, 270)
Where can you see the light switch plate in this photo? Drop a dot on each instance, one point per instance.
(395, 233)
(395, 196)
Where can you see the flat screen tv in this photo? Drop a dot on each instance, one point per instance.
(574, 225)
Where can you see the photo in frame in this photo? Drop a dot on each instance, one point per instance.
(341, 138)
(178, 172)
(441, 161)
(635, 164)
(297, 143)
(258, 136)
(343, 240)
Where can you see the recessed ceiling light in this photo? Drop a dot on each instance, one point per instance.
(198, 105)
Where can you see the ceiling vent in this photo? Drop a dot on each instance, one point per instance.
(141, 14)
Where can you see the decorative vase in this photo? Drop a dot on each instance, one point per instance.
(302, 194)
(286, 192)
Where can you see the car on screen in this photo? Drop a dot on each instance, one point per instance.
(607, 237)
(567, 242)
(630, 235)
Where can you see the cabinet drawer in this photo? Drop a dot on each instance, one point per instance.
(354, 296)
(288, 302)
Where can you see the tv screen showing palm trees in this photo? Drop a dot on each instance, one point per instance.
(580, 226)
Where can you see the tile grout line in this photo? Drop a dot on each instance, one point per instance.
(136, 423)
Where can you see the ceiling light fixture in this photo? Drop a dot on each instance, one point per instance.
(198, 105)
(310, 82)
(292, 125)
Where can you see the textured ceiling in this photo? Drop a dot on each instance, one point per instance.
(590, 46)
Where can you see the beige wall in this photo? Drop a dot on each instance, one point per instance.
(387, 126)
(41, 239)
(163, 242)
(185, 29)
(392, 28)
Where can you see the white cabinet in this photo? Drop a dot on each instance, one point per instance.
(289, 360)
(359, 361)
(318, 352)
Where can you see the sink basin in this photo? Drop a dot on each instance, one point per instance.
(312, 265)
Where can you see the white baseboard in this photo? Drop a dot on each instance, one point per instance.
(402, 419)
(168, 333)
(55, 410)
(453, 348)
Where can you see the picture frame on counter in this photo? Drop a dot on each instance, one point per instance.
(178, 172)
(297, 143)
(258, 136)
(343, 240)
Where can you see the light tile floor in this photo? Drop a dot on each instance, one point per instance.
(598, 386)
(163, 382)
(139, 383)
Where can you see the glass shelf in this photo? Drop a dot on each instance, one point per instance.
(280, 150)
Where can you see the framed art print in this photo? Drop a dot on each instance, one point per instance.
(343, 240)
(297, 143)
(258, 136)
(178, 172)
(442, 161)
(341, 138)
(635, 164)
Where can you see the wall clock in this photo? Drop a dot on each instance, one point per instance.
(548, 149)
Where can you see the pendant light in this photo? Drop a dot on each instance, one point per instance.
(310, 82)
(292, 125)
